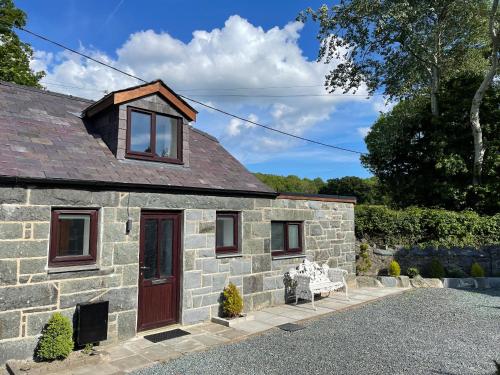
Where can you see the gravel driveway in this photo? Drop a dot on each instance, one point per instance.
(424, 331)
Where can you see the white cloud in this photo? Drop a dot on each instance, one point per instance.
(363, 132)
(238, 55)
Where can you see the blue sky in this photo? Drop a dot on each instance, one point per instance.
(248, 57)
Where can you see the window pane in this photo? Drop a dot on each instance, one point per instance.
(225, 231)
(293, 236)
(140, 132)
(166, 246)
(150, 234)
(277, 236)
(166, 137)
(74, 235)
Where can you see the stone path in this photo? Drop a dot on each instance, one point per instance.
(139, 352)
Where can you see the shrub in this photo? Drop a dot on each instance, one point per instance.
(363, 248)
(394, 269)
(412, 272)
(232, 304)
(425, 227)
(56, 341)
(455, 272)
(436, 269)
(476, 270)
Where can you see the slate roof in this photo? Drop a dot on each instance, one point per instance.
(43, 138)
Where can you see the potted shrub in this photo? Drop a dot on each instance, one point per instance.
(412, 272)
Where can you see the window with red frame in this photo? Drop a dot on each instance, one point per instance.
(286, 237)
(154, 136)
(226, 232)
(73, 237)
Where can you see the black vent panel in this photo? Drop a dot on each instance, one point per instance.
(91, 322)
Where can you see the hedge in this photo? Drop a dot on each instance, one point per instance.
(425, 227)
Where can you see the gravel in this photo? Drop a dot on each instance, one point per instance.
(424, 331)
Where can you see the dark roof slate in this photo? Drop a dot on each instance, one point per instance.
(43, 137)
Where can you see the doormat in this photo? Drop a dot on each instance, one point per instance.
(290, 327)
(167, 335)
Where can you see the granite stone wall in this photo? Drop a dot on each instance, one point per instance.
(30, 291)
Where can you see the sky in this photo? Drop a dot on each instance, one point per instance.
(250, 58)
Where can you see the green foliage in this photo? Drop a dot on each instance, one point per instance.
(232, 304)
(412, 272)
(436, 269)
(15, 55)
(394, 45)
(476, 270)
(88, 349)
(425, 227)
(455, 272)
(428, 162)
(364, 262)
(394, 269)
(291, 184)
(366, 190)
(56, 341)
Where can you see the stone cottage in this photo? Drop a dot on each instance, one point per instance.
(123, 200)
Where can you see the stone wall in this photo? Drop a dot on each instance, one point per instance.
(30, 291)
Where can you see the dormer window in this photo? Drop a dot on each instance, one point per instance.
(153, 136)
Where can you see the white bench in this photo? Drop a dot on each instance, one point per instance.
(309, 279)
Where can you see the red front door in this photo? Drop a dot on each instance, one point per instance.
(159, 269)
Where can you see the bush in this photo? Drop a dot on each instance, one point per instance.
(394, 269)
(363, 248)
(56, 341)
(425, 227)
(412, 272)
(476, 270)
(232, 303)
(455, 272)
(436, 269)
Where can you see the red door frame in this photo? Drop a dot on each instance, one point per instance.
(174, 280)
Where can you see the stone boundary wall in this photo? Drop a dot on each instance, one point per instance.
(30, 292)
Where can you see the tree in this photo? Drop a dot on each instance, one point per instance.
(494, 32)
(15, 56)
(291, 183)
(366, 190)
(403, 47)
(419, 163)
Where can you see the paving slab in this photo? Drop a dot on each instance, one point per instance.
(130, 363)
(253, 326)
(160, 353)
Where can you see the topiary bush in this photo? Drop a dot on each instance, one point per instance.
(476, 270)
(436, 269)
(412, 272)
(56, 341)
(232, 303)
(364, 262)
(394, 269)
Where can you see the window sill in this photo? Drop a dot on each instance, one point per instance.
(290, 256)
(224, 256)
(87, 267)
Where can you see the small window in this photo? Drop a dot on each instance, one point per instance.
(226, 232)
(286, 237)
(73, 237)
(153, 136)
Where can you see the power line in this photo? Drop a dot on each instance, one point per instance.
(268, 96)
(185, 97)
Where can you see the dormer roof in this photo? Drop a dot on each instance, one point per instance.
(46, 141)
(136, 92)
